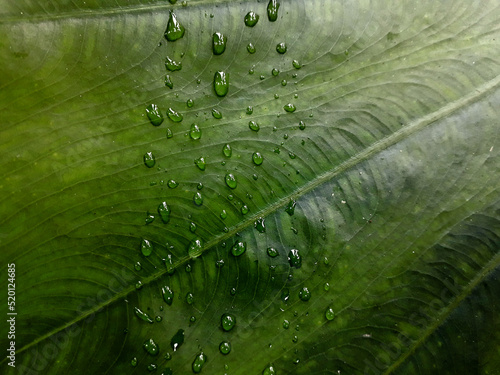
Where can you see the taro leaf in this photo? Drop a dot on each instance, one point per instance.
(395, 174)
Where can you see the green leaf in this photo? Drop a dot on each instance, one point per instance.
(372, 175)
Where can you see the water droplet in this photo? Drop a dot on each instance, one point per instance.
(133, 362)
(272, 252)
(255, 177)
(172, 184)
(281, 47)
(272, 10)
(227, 321)
(244, 209)
(169, 133)
(142, 315)
(177, 340)
(151, 367)
(296, 64)
(199, 186)
(224, 347)
(198, 81)
(198, 199)
(326, 287)
(289, 107)
(171, 65)
(200, 163)
(138, 285)
(151, 347)
(149, 218)
(189, 298)
(219, 263)
(192, 319)
(260, 225)
(231, 181)
(295, 338)
(192, 227)
(227, 150)
(292, 155)
(146, 248)
(216, 114)
(251, 70)
(230, 197)
(168, 82)
(269, 370)
(188, 268)
(329, 314)
(276, 96)
(302, 125)
(190, 103)
(290, 207)
(251, 19)
(262, 77)
(239, 248)
(158, 318)
(167, 356)
(164, 211)
(286, 324)
(232, 291)
(254, 126)
(305, 294)
(154, 115)
(195, 132)
(169, 264)
(251, 49)
(284, 82)
(174, 29)
(138, 266)
(257, 158)
(174, 115)
(149, 159)
(221, 83)
(198, 362)
(294, 258)
(219, 43)
(168, 295)
(195, 248)
(249, 110)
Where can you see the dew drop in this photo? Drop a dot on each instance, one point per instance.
(146, 248)
(169, 133)
(149, 159)
(292, 155)
(286, 324)
(174, 29)
(231, 181)
(151, 347)
(171, 65)
(269, 370)
(168, 82)
(284, 82)
(329, 314)
(225, 347)
(154, 115)
(198, 362)
(138, 266)
(294, 258)
(216, 114)
(164, 211)
(168, 295)
(133, 362)
(199, 186)
(190, 103)
(219, 263)
(251, 48)
(177, 340)
(281, 47)
(249, 110)
(290, 207)
(158, 318)
(251, 19)
(189, 298)
(289, 107)
(326, 287)
(195, 248)
(227, 150)
(169, 264)
(142, 315)
(260, 225)
(195, 132)
(239, 248)
(151, 367)
(272, 10)
(272, 252)
(198, 199)
(221, 83)
(192, 227)
(296, 64)
(172, 184)
(305, 294)
(275, 72)
(254, 126)
(174, 115)
(219, 43)
(244, 209)
(227, 321)
(257, 158)
(200, 163)
(302, 125)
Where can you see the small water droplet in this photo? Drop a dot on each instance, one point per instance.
(216, 114)
(225, 347)
(164, 210)
(232, 291)
(296, 64)
(294, 258)
(251, 19)
(169, 264)
(151, 347)
(254, 126)
(276, 96)
(219, 43)
(249, 110)
(195, 248)
(239, 248)
(198, 199)
(149, 159)
(292, 155)
(169, 133)
(190, 103)
(167, 357)
(200, 163)
(251, 70)
(272, 10)
(174, 29)
(195, 132)
(138, 285)
(262, 77)
(142, 315)
(174, 115)
(219, 263)
(198, 362)
(326, 287)
(188, 268)
(221, 83)
(171, 65)
(177, 340)
(284, 82)
(290, 207)
(146, 248)
(260, 225)
(154, 115)
(286, 324)
(158, 318)
(230, 197)
(255, 177)
(244, 209)
(251, 48)
(138, 266)
(133, 362)
(151, 367)
(168, 82)
(231, 181)
(192, 319)
(269, 370)
(192, 227)
(275, 72)
(172, 184)
(329, 313)
(227, 150)
(272, 252)
(199, 186)
(305, 294)
(168, 295)
(257, 158)
(281, 47)
(302, 125)
(227, 321)
(189, 298)
(289, 107)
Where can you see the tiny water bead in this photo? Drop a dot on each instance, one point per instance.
(219, 43)
(239, 248)
(133, 362)
(290, 207)
(164, 212)
(219, 263)
(168, 82)
(198, 362)
(244, 209)
(192, 227)
(225, 347)
(289, 107)
(294, 258)
(172, 184)
(216, 114)
(257, 158)
(272, 252)
(189, 298)
(195, 132)
(192, 319)
(302, 125)
(149, 160)
(151, 367)
(329, 314)
(198, 199)
(142, 315)
(138, 285)
(260, 225)
(249, 110)
(231, 181)
(200, 163)
(190, 103)
(281, 47)
(305, 294)
(195, 248)
(199, 186)
(223, 215)
(171, 65)
(286, 324)
(149, 218)
(154, 115)
(151, 347)
(284, 82)
(276, 96)
(169, 264)
(326, 287)
(227, 150)
(272, 10)
(275, 72)
(174, 29)
(292, 155)
(177, 340)
(251, 48)
(174, 115)
(251, 19)
(169, 133)
(188, 268)
(168, 295)
(254, 126)
(269, 370)
(227, 321)
(138, 266)
(296, 64)
(221, 83)
(146, 248)
(158, 318)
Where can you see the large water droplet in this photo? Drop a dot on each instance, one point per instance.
(251, 19)
(219, 43)
(272, 252)
(257, 158)
(329, 313)
(305, 294)
(239, 248)
(151, 347)
(260, 225)
(168, 295)
(198, 199)
(174, 29)
(253, 126)
(290, 207)
(172, 65)
(174, 115)
(227, 150)
(281, 47)
(221, 83)
(198, 362)
(149, 159)
(231, 181)
(251, 48)
(154, 114)
(294, 258)
(146, 248)
(177, 340)
(200, 163)
(225, 347)
(289, 107)
(142, 315)
(195, 132)
(164, 212)
(272, 10)
(269, 370)
(227, 321)
(195, 248)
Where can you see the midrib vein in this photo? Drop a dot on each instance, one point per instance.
(375, 148)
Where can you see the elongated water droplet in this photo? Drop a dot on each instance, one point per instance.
(188, 268)
(168, 295)
(251, 48)
(199, 186)
(149, 159)
(192, 227)
(269, 370)
(146, 248)
(227, 321)
(289, 107)
(198, 362)
(244, 209)
(195, 132)
(216, 114)
(190, 103)
(174, 29)
(296, 64)
(219, 43)
(272, 252)
(171, 65)
(326, 287)
(151, 347)
(223, 214)
(164, 212)
(169, 133)
(251, 19)
(168, 82)
(172, 184)
(221, 83)
(169, 264)
(152, 367)
(290, 207)
(302, 125)
(254, 126)
(238, 248)
(305, 294)
(225, 347)
(133, 362)
(294, 258)
(249, 110)
(227, 150)
(260, 225)
(138, 266)
(142, 315)
(281, 47)
(200, 163)
(177, 340)
(195, 248)
(329, 313)
(257, 158)
(231, 181)
(198, 199)
(272, 10)
(174, 115)
(189, 298)
(154, 115)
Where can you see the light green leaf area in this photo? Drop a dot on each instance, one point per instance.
(394, 173)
